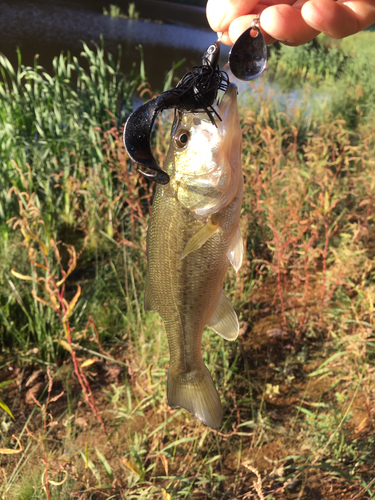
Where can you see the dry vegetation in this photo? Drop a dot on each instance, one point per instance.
(83, 368)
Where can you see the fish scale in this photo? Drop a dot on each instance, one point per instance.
(187, 289)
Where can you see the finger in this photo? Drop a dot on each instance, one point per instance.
(220, 13)
(285, 23)
(339, 19)
(226, 39)
(239, 25)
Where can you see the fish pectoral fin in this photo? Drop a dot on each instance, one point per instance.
(235, 253)
(149, 302)
(224, 320)
(199, 238)
(195, 391)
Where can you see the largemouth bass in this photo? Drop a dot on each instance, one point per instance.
(193, 235)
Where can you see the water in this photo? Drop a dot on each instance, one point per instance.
(47, 28)
(174, 32)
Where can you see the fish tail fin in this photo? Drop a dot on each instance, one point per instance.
(195, 391)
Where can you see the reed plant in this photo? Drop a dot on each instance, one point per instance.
(60, 150)
(339, 74)
(115, 11)
(51, 124)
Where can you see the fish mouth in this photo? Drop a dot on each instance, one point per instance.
(227, 107)
(205, 172)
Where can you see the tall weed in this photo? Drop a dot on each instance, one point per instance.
(302, 369)
(52, 124)
(340, 72)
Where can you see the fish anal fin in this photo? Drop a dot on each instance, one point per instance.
(199, 238)
(224, 320)
(235, 253)
(149, 302)
(196, 392)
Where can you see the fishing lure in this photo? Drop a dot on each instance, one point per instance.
(196, 92)
(248, 56)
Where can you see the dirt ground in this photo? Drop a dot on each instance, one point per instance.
(280, 457)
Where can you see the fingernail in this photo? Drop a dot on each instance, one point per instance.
(265, 20)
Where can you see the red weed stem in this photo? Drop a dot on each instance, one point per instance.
(235, 429)
(334, 287)
(91, 322)
(279, 260)
(221, 434)
(307, 280)
(257, 194)
(84, 383)
(326, 225)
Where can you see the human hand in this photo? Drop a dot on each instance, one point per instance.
(293, 22)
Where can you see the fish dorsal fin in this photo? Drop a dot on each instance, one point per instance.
(224, 320)
(199, 238)
(149, 302)
(235, 253)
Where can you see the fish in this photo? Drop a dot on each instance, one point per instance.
(196, 91)
(193, 236)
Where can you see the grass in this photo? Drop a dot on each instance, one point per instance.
(115, 11)
(338, 73)
(83, 368)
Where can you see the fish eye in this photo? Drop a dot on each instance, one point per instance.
(181, 138)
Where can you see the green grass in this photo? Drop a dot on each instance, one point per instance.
(337, 74)
(115, 11)
(52, 126)
(59, 143)
(297, 386)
